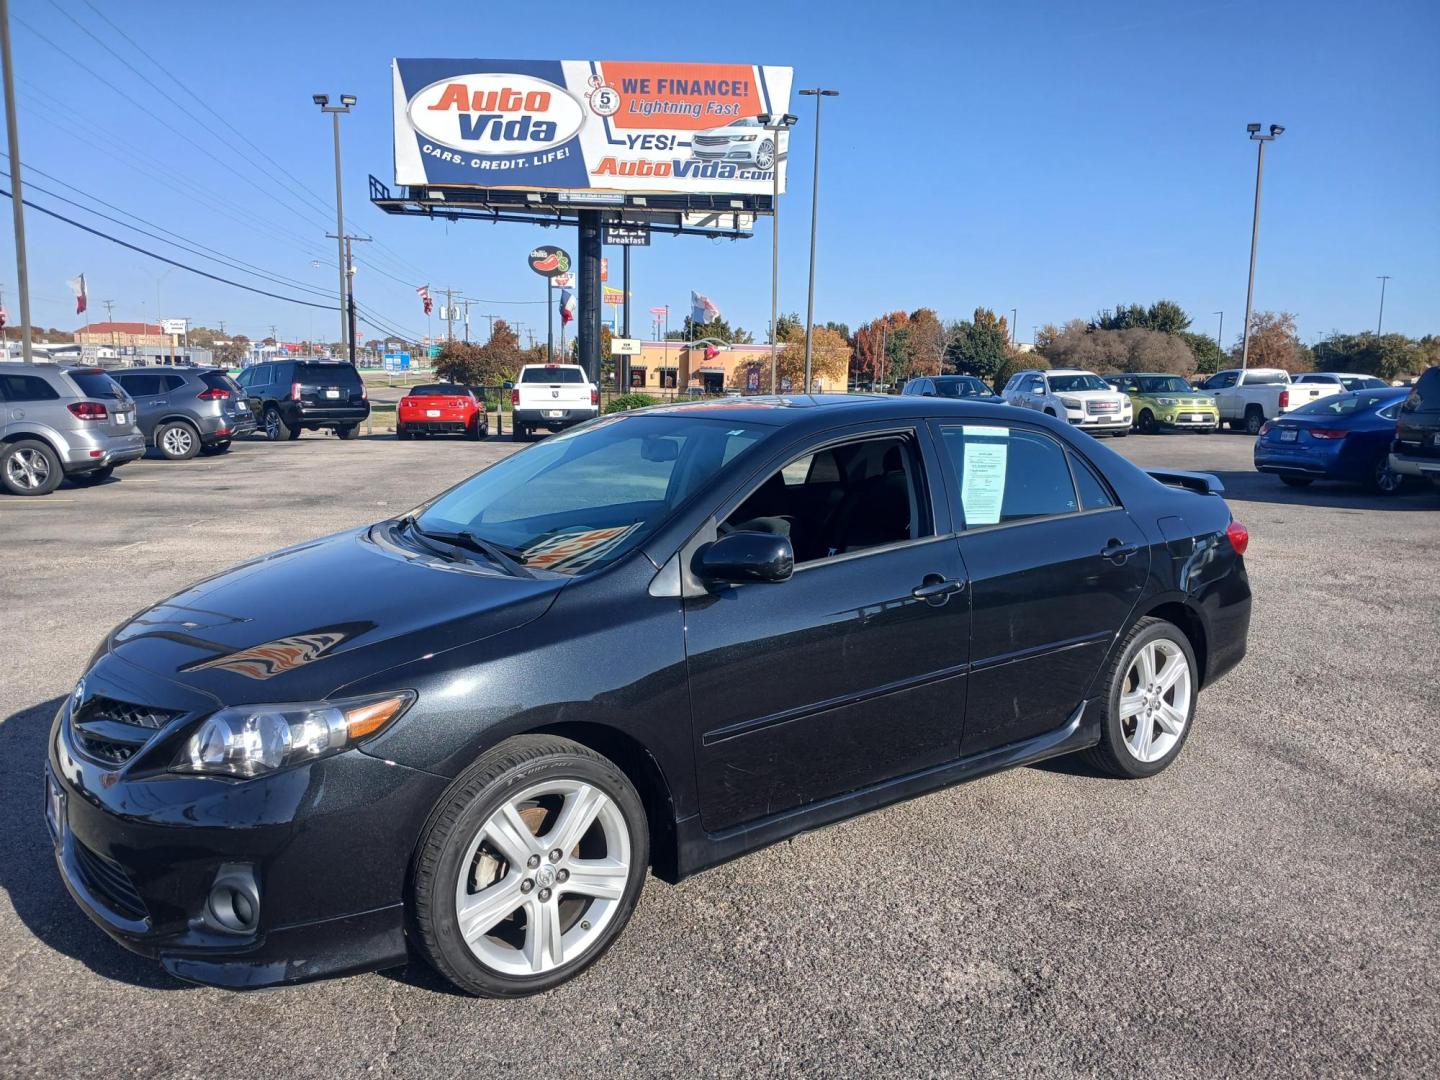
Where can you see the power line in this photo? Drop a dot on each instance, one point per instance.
(172, 262)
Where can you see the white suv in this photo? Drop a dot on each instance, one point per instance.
(1081, 397)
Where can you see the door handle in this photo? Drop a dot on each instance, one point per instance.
(1118, 552)
(160, 401)
(936, 587)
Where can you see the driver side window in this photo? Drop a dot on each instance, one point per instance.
(840, 499)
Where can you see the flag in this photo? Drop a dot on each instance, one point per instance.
(702, 309)
(77, 286)
(567, 306)
(424, 291)
(711, 352)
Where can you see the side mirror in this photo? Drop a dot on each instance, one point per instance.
(746, 556)
(928, 393)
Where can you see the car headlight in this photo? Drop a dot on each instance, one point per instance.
(743, 138)
(252, 740)
(1167, 401)
(1071, 403)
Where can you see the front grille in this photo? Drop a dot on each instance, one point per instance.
(1096, 407)
(109, 883)
(710, 140)
(124, 712)
(112, 732)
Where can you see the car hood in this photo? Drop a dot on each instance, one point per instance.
(1187, 397)
(297, 624)
(1092, 395)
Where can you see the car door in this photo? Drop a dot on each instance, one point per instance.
(1055, 566)
(850, 673)
(144, 388)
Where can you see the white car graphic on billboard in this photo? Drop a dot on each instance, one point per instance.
(744, 142)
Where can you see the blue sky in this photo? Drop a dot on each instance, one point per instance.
(1055, 158)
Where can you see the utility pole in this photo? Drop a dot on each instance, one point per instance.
(1220, 334)
(449, 315)
(346, 101)
(347, 298)
(1275, 131)
(817, 94)
(17, 195)
(1382, 278)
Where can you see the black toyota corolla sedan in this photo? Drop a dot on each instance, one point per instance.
(660, 640)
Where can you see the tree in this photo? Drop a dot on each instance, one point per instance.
(1164, 316)
(232, 353)
(980, 346)
(1388, 356)
(785, 324)
(880, 349)
(1209, 356)
(926, 341)
(461, 363)
(1133, 349)
(829, 361)
(716, 328)
(1275, 344)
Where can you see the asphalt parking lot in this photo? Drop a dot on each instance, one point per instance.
(1270, 905)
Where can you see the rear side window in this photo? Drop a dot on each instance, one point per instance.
(174, 382)
(1007, 475)
(1094, 495)
(95, 384)
(327, 374)
(26, 388)
(1425, 397)
(552, 375)
(218, 380)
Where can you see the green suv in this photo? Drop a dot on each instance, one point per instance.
(1166, 403)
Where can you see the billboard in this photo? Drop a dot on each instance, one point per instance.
(588, 125)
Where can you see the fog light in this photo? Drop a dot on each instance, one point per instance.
(234, 901)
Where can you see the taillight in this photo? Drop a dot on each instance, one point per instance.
(1239, 537)
(1266, 426)
(294, 391)
(1327, 433)
(594, 397)
(213, 394)
(364, 392)
(1284, 399)
(515, 398)
(88, 410)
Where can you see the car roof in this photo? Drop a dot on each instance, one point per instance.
(819, 411)
(1341, 374)
(1067, 371)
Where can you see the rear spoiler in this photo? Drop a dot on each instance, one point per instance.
(1200, 482)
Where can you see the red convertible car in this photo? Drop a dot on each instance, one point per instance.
(441, 409)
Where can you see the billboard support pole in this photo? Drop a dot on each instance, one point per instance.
(588, 332)
(549, 321)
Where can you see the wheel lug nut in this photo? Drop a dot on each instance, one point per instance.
(526, 885)
(564, 875)
(533, 861)
(556, 855)
(544, 894)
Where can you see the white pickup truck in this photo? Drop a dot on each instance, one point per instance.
(552, 396)
(1248, 397)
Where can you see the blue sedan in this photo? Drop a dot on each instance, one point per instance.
(1343, 437)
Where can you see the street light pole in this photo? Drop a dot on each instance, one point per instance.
(1220, 334)
(346, 101)
(817, 94)
(1275, 131)
(778, 126)
(17, 197)
(1382, 278)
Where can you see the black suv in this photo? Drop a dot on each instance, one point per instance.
(183, 411)
(290, 396)
(1417, 431)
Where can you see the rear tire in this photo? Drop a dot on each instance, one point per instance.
(493, 832)
(402, 433)
(1254, 420)
(347, 432)
(519, 434)
(473, 430)
(1385, 480)
(177, 441)
(275, 427)
(1152, 686)
(29, 467)
(1297, 481)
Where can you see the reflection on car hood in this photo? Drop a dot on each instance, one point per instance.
(297, 624)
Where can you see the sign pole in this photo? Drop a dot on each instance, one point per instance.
(622, 364)
(549, 321)
(17, 204)
(588, 331)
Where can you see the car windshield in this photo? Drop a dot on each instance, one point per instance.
(439, 390)
(1346, 404)
(1362, 382)
(95, 384)
(552, 375)
(1067, 384)
(327, 374)
(584, 498)
(961, 386)
(1162, 384)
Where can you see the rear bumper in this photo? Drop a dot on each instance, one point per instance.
(1287, 460)
(1414, 465)
(88, 451)
(225, 428)
(543, 417)
(451, 425)
(318, 416)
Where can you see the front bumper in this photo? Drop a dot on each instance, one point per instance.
(327, 844)
(1102, 422)
(1183, 419)
(545, 418)
(88, 450)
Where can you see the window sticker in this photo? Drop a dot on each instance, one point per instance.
(982, 488)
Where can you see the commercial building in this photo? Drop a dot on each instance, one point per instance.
(132, 335)
(678, 367)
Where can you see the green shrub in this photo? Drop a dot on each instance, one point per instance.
(630, 401)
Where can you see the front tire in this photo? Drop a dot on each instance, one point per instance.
(1152, 687)
(29, 467)
(275, 427)
(1146, 422)
(530, 867)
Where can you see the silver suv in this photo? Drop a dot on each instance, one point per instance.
(187, 410)
(57, 422)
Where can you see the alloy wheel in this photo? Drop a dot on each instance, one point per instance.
(272, 424)
(765, 156)
(1155, 701)
(177, 441)
(1387, 480)
(543, 878)
(28, 469)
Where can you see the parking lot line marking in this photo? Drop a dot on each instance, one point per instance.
(41, 505)
(127, 547)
